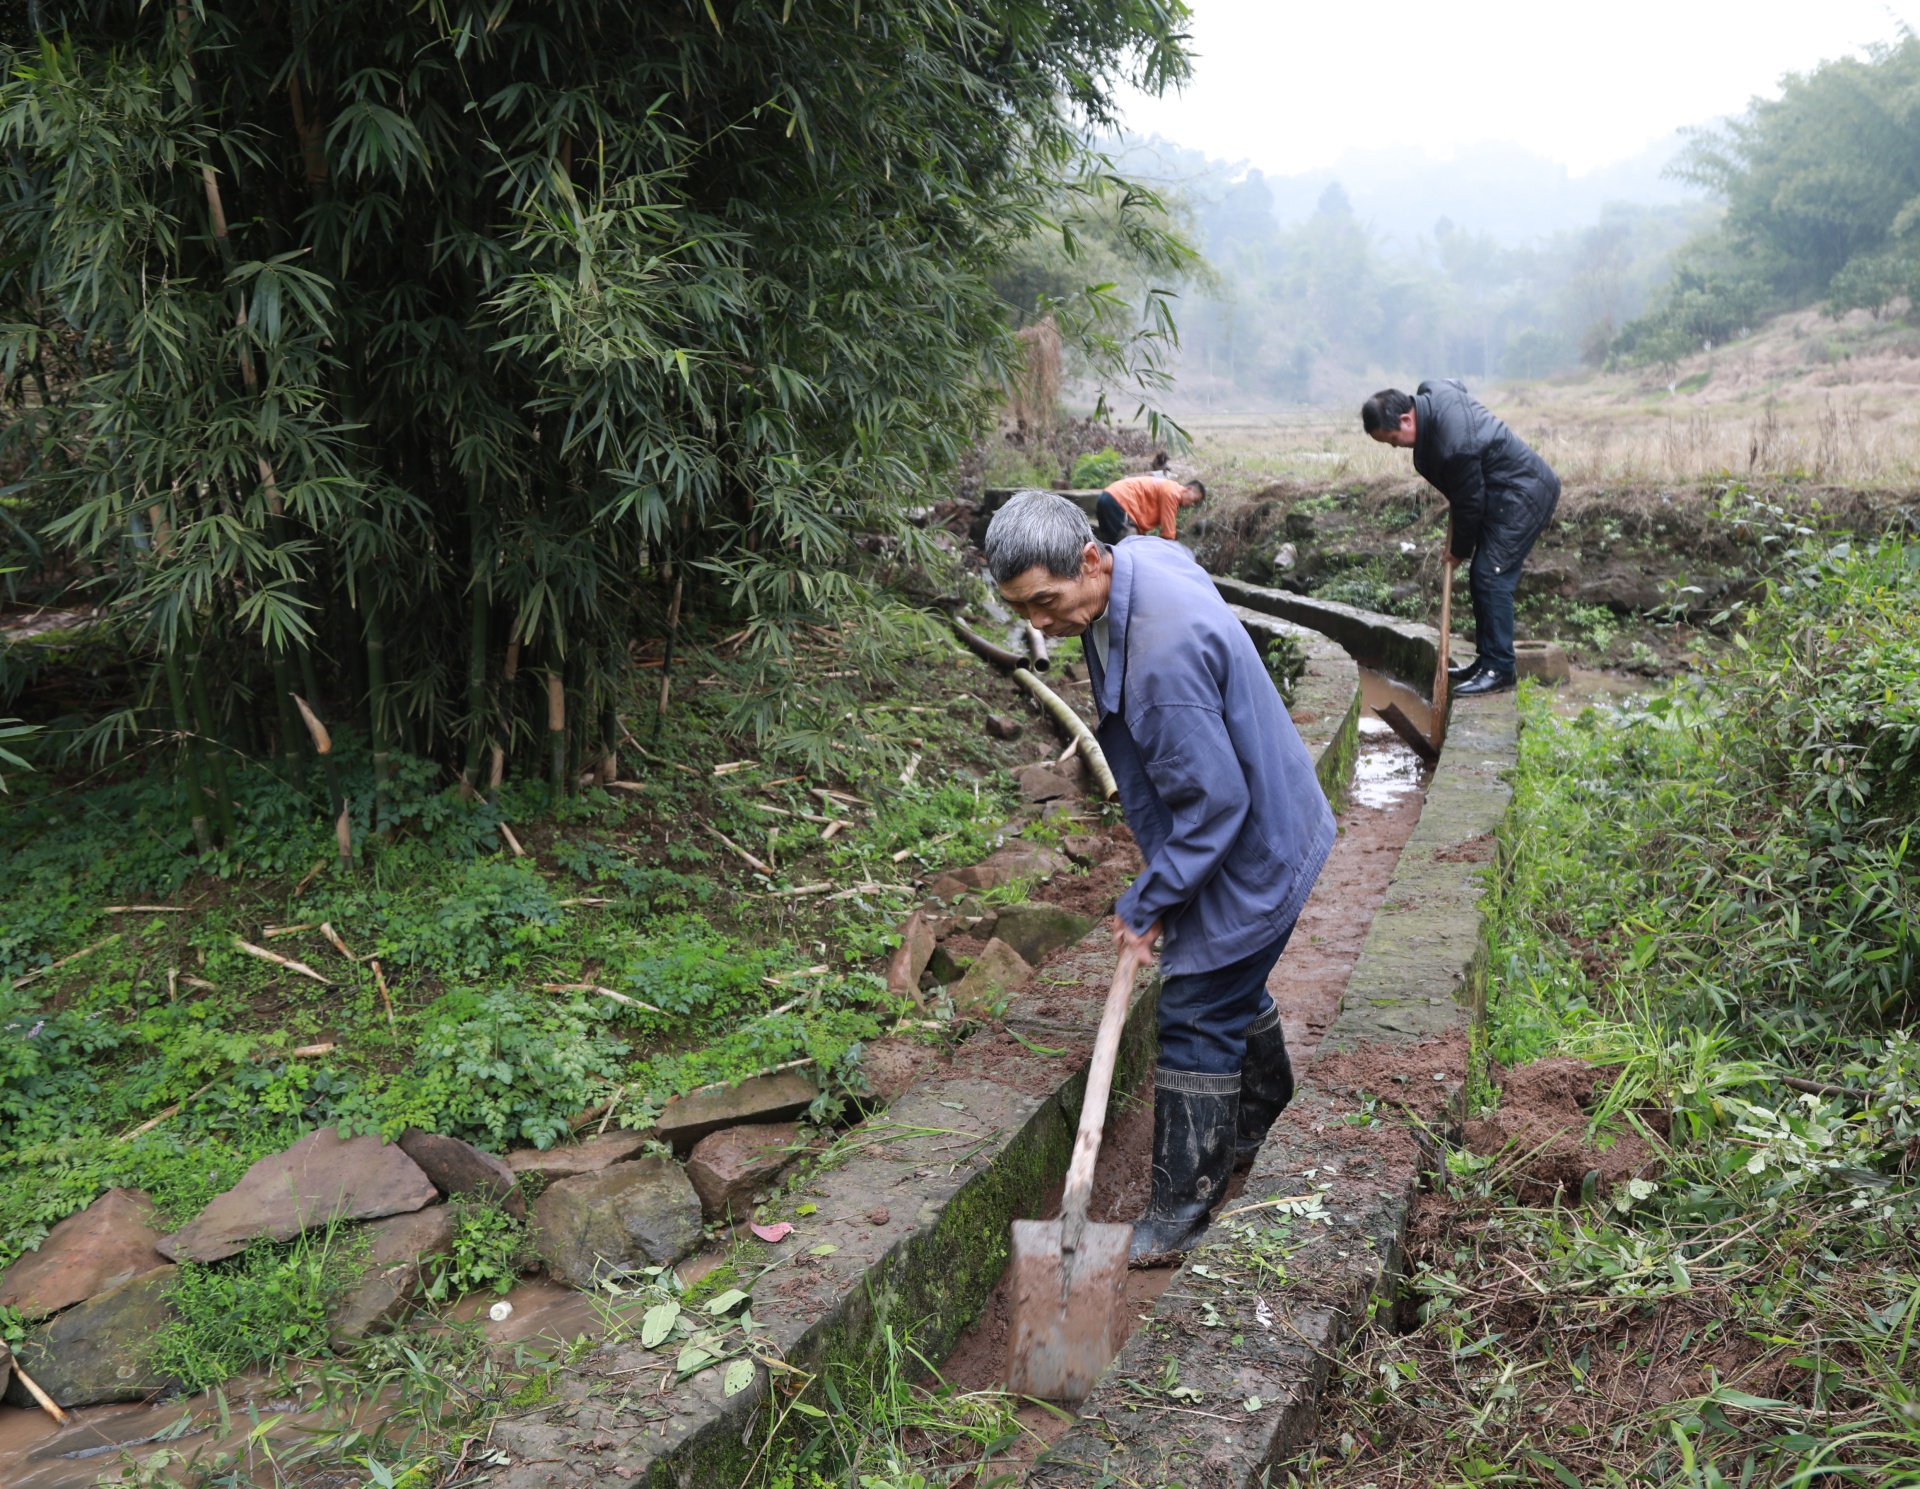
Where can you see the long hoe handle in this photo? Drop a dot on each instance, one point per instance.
(1093, 1110)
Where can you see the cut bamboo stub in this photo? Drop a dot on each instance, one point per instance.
(1037, 646)
(280, 961)
(1090, 750)
(47, 1403)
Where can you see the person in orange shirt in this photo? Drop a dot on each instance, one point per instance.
(1142, 503)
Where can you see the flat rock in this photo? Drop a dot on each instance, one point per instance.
(1017, 860)
(613, 1223)
(760, 1098)
(110, 1242)
(616, 1145)
(97, 1352)
(319, 1179)
(1002, 727)
(461, 1171)
(399, 1262)
(1041, 783)
(1084, 848)
(909, 959)
(895, 1063)
(727, 1166)
(1036, 929)
(998, 969)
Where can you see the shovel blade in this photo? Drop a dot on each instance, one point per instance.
(1064, 1336)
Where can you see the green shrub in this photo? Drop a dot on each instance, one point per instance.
(486, 1252)
(1097, 468)
(1287, 661)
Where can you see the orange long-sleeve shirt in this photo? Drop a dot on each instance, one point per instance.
(1151, 501)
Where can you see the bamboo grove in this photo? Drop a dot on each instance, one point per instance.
(389, 370)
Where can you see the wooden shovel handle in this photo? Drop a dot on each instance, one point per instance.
(1093, 1110)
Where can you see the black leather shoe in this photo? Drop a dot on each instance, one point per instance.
(1193, 1140)
(1487, 681)
(1266, 1085)
(1465, 670)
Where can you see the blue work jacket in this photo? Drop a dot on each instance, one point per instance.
(1217, 784)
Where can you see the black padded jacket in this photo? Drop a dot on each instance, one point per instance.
(1501, 492)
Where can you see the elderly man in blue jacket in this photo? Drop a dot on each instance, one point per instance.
(1222, 798)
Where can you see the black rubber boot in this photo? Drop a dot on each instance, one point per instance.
(1193, 1135)
(1266, 1084)
(1463, 671)
(1484, 681)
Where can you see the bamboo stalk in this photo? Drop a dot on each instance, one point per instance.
(293, 757)
(189, 755)
(280, 961)
(158, 1117)
(376, 641)
(47, 1403)
(1037, 648)
(666, 665)
(557, 735)
(741, 853)
(25, 978)
(216, 762)
(512, 841)
(751, 1075)
(477, 637)
(998, 655)
(380, 980)
(1090, 750)
(605, 992)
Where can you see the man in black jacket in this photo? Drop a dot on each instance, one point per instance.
(1501, 494)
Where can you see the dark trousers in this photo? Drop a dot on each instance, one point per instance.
(1110, 519)
(1204, 1015)
(1492, 611)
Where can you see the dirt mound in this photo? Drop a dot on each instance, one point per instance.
(1540, 1135)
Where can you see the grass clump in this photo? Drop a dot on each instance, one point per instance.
(269, 1303)
(487, 1250)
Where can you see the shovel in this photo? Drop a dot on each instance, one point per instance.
(1068, 1275)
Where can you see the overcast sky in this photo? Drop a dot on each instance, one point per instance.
(1290, 87)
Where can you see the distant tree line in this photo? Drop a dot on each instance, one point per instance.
(1309, 311)
(1822, 193)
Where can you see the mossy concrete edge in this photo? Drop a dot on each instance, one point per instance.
(1419, 988)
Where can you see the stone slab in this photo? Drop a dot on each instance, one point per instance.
(997, 970)
(728, 1166)
(1034, 930)
(760, 1098)
(1405, 648)
(110, 1242)
(611, 1224)
(319, 1179)
(589, 1156)
(97, 1352)
(461, 1171)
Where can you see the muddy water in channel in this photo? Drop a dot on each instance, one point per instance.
(1389, 787)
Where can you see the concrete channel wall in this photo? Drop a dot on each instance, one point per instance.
(1251, 1328)
(915, 1220)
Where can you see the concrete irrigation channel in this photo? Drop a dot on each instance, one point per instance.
(1223, 1373)
(909, 1228)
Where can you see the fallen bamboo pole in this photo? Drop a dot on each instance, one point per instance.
(1090, 750)
(47, 1403)
(998, 655)
(1037, 644)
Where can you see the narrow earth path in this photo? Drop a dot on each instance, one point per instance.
(1307, 984)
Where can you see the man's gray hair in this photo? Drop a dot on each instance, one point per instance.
(1037, 527)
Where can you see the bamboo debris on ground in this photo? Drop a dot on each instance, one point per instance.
(512, 842)
(47, 1403)
(146, 910)
(751, 1075)
(1064, 715)
(28, 977)
(280, 961)
(605, 992)
(745, 857)
(380, 981)
(173, 1111)
(821, 888)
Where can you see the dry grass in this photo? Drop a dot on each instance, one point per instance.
(1805, 398)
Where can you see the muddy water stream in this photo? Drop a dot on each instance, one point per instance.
(1389, 788)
